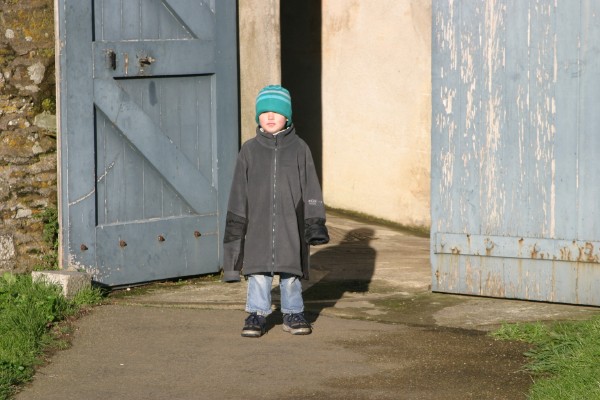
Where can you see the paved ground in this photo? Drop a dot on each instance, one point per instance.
(379, 333)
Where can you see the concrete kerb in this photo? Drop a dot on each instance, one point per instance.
(72, 282)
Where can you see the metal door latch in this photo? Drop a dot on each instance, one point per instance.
(111, 58)
(145, 61)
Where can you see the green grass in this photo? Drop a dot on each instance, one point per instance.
(49, 259)
(565, 359)
(28, 312)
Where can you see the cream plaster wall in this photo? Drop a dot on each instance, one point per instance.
(260, 55)
(377, 107)
(376, 99)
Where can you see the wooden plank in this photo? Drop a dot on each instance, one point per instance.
(589, 139)
(469, 165)
(114, 180)
(102, 168)
(587, 284)
(189, 57)
(170, 27)
(196, 17)
(171, 125)
(134, 167)
(452, 100)
(445, 87)
(98, 15)
(153, 143)
(565, 282)
(493, 273)
(539, 280)
(187, 116)
(77, 184)
(110, 17)
(517, 125)
(131, 24)
(518, 247)
(445, 81)
(447, 277)
(170, 110)
(540, 148)
(150, 19)
(206, 129)
(493, 118)
(470, 276)
(132, 191)
(144, 257)
(152, 181)
(567, 117)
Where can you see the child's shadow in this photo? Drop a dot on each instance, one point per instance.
(336, 270)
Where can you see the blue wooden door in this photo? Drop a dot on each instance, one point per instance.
(515, 175)
(148, 130)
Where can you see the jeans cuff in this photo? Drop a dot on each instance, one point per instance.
(259, 312)
(289, 311)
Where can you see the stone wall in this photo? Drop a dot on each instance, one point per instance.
(27, 130)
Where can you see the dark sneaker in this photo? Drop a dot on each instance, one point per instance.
(296, 324)
(254, 326)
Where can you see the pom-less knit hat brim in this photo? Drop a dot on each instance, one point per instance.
(276, 99)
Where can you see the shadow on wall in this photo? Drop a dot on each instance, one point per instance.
(301, 70)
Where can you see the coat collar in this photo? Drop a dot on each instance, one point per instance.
(282, 139)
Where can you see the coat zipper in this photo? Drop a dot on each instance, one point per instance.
(274, 209)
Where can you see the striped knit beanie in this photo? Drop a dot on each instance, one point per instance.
(276, 99)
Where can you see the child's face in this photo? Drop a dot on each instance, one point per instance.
(271, 122)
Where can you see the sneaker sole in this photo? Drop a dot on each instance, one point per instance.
(253, 334)
(299, 331)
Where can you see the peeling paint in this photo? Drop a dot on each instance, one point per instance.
(514, 147)
(79, 200)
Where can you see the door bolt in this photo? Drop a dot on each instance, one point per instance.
(146, 61)
(111, 58)
(122, 243)
(197, 234)
(161, 238)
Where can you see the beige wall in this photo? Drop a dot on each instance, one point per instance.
(376, 107)
(376, 99)
(260, 54)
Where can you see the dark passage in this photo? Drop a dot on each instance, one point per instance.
(301, 69)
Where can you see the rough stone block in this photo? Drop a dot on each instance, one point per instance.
(7, 253)
(70, 281)
(45, 120)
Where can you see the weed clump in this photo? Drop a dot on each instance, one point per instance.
(28, 311)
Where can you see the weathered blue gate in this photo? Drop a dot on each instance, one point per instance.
(148, 135)
(515, 141)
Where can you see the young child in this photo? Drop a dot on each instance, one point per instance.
(275, 211)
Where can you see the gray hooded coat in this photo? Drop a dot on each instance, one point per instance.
(275, 208)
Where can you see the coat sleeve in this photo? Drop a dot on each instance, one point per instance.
(315, 231)
(236, 223)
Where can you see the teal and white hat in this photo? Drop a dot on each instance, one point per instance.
(276, 99)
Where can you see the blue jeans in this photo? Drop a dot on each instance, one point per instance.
(259, 294)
